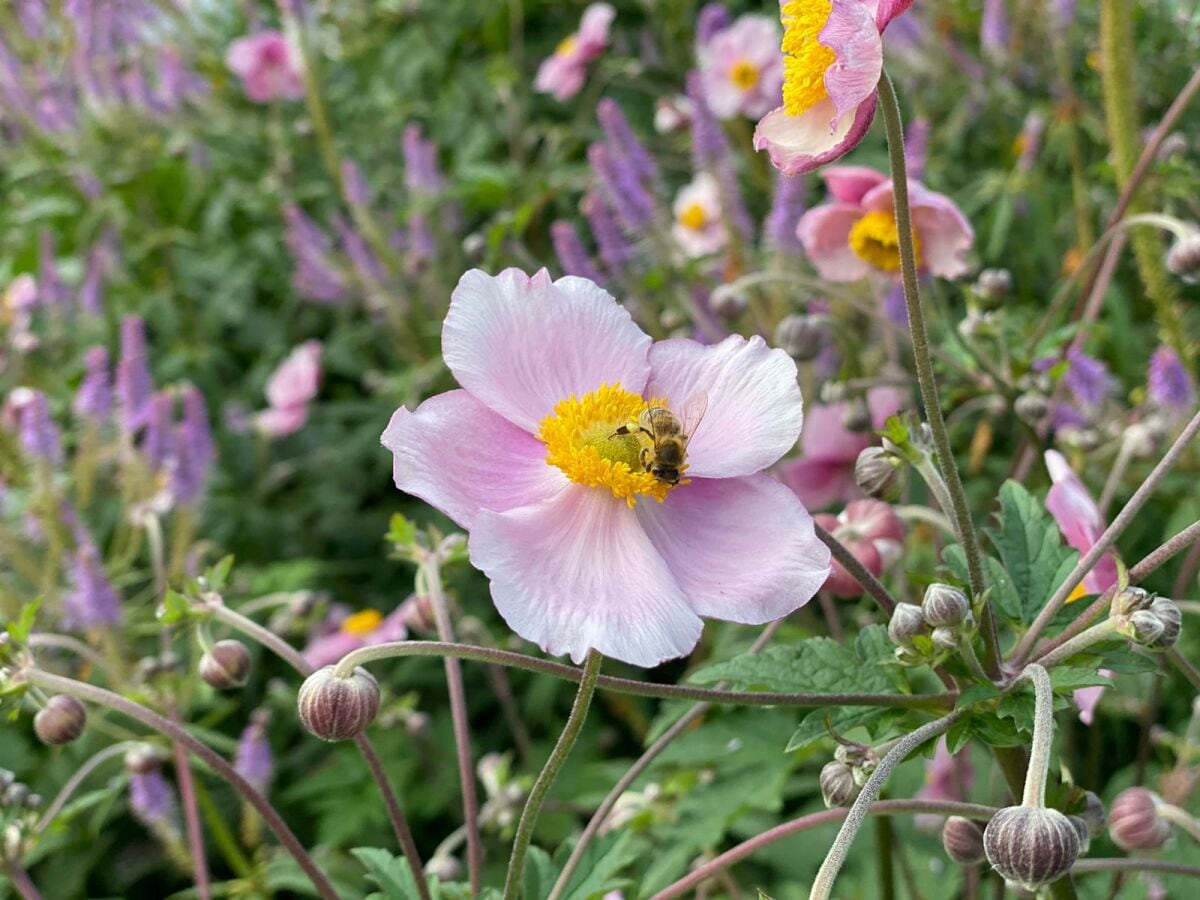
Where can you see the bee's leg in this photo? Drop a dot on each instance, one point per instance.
(623, 430)
(643, 456)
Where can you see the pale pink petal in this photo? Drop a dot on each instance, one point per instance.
(819, 481)
(705, 193)
(943, 230)
(1079, 519)
(521, 345)
(456, 454)
(277, 422)
(562, 76)
(577, 572)
(824, 231)
(742, 549)
(593, 28)
(885, 402)
(873, 519)
(802, 143)
(1087, 699)
(840, 582)
(326, 649)
(242, 55)
(888, 10)
(852, 35)
(297, 378)
(849, 184)
(825, 437)
(754, 408)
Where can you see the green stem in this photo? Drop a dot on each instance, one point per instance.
(893, 124)
(1180, 819)
(1043, 737)
(1082, 641)
(541, 787)
(884, 838)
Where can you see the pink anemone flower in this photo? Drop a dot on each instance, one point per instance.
(289, 391)
(564, 73)
(741, 69)
(855, 234)
(360, 629)
(833, 59)
(824, 473)
(269, 66)
(699, 228)
(872, 532)
(586, 547)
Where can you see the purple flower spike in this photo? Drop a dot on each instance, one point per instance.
(91, 602)
(572, 255)
(253, 759)
(623, 142)
(1088, 378)
(157, 438)
(151, 799)
(421, 175)
(354, 185)
(1168, 383)
(916, 147)
(615, 249)
(708, 141)
(134, 384)
(51, 291)
(713, 17)
(93, 401)
(39, 435)
(622, 187)
(316, 277)
(787, 206)
(993, 34)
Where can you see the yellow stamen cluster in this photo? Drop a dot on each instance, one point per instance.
(566, 46)
(693, 217)
(876, 239)
(362, 623)
(580, 440)
(804, 58)
(744, 75)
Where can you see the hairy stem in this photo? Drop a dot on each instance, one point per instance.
(541, 787)
(1099, 632)
(857, 570)
(191, 820)
(1181, 820)
(20, 880)
(1134, 864)
(1043, 737)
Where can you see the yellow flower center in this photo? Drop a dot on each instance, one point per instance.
(1078, 593)
(693, 217)
(362, 623)
(876, 239)
(580, 439)
(566, 46)
(804, 58)
(744, 75)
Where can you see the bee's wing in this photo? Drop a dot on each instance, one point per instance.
(692, 413)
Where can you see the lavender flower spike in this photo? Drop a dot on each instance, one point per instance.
(91, 602)
(572, 255)
(40, 437)
(316, 276)
(615, 249)
(708, 140)
(1088, 378)
(134, 384)
(156, 439)
(51, 291)
(1169, 385)
(787, 206)
(623, 142)
(151, 799)
(993, 34)
(713, 17)
(253, 759)
(622, 187)
(93, 400)
(421, 174)
(916, 147)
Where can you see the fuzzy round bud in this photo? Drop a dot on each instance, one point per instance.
(1085, 833)
(1031, 846)
(1130, 600)
(945, 605)
(1183, 259)
(474, 246)
(906, 623)
(60, 721)
(1093, 813)
(993, 285)
(944, 637)
(879, 474)
(226, 665)
(143, 759)
(1171, 618)
(1031, 407)
(728, 304)
(800, 337)
(1133, 822)
(1145, 628)
(15, 794)
(963, 841)
(857, 417)
(444, 868)
(335, 709)
(838, 786)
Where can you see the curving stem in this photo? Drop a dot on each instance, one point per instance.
(1043, 737)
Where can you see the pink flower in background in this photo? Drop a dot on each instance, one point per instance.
(699, 229)
(289, 391)
(872, 532)
(824, 473)
(563, 74)
(269, 66)
(833, 58)
(855, 234)
(742, 69)
(584, 547)
(947, 777)
(360, 629)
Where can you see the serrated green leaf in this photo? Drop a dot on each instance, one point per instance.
(217, 574)
(818, 723)
(818, 665)
(1070, 678)
(22, 627)
(389, 872)
(997, 577)
(174, 608)
(1031, 550)
(401, 531)
(977, 693)
(602, 860)
(540, 873)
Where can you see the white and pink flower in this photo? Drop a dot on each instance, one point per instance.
(699, 228)
(269, 66)
(741, 68)
(584, 547)
(855, 234)
(563, 74)
(290, 390)
(872, 532)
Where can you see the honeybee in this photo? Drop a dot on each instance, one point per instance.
(664, 437)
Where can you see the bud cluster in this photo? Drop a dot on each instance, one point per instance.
(842, 777)
(18, 812)
(801, 337)
(941, 625)
(1150, 621)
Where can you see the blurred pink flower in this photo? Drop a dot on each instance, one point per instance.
(947, 777)
(742, 69)
(824, 473)
(289, 391)
(855, 234)
(699, 228)
(872, 532)
(558, 505)
(269, 66)
(833, 58)
(361, 629)
(563, 73)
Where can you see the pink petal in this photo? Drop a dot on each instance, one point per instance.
(242, 55)
(521, 345)
(824, 231)
(1079, 519)
(802, 143)
(885, 402)
(1087, 699)
(849, 184)
(874, 520)
(943, 230)
(742, 549)
(754, 409)
(852, 35)
(277, 422)
(593, 27)
(825, 437)
(298, 377)
(329, 648)
(820, 481)
(840, 582)
(577, 572)
(562, 76)
(888, 10)
(456, 454)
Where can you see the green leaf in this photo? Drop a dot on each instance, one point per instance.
(1031, 550)
(174, 609)
(818, 723)
(599, 866)
(22, 627)
(1070, 678)
(218, 574)
(997, 577)
(401, 531)
(390, 872)
(540, 873)
(818, 665)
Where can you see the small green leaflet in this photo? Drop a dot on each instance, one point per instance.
(817, 665)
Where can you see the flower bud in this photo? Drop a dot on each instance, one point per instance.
(1183, 259)
(1130, 600)
(857, 417)
(1031, 408)
(1133, 822)
(879, 474)
(143, 759)
(992, 286)
(1145, 628)
(444, 867)
(335, 709)
(1031, 846)
(800, 337)
(906, 623)
(728, 304)
(1171, 618)
(963, 841)
(60, 721)
(1079, 823)
(838, 786)
(945, 605)
(944, 637)
(1093, 813)
(226, 665)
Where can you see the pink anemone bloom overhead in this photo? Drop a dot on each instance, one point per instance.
(565, 71)
(268, 65)
(855, 234)
(833, 59)
(741, 69)
(699, 228)
(584, 546)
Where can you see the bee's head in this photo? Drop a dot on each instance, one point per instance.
(670, 475)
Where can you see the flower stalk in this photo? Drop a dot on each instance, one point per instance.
(1034, 796)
